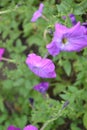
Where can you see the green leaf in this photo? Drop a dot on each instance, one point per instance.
(67, 67)
(85, 120)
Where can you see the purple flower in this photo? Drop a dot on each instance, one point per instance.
(30, 127)
(37, 13)
(73, 19)
(1, 53)
(11, 127)
(41, 87)
(68, 39)
(42, 67)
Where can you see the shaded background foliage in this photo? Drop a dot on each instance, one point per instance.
(20, 37)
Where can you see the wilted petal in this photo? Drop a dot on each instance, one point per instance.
(41, 87)
(73, 19)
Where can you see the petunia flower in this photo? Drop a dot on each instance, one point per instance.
(11, 127)
(67, 39)
(30, 127)
(42, 67)
(1, 53)
(41, 87)
(37, 13)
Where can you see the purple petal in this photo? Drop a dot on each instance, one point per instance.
(41, 87)
(30, 127)
(59, 30)
(41, 7)
(76, 37)
(73, 19)
(1, 52)
(53, 49)
(13, 128)
(40, 66)
(36, 15)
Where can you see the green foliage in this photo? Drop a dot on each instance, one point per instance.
(69, 6)
(20, 37)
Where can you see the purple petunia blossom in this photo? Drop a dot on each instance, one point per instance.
(42, 67)
(1, 52)
(30, 127)
(67, 39)
(13, 128)
(37, 13)
(41, 87)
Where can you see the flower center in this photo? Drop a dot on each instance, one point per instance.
(64, 40)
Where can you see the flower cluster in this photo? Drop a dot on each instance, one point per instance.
(64, 39)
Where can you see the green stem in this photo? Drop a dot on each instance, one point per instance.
(49, 121)
(8, 11)
(8, 60)
(44, 17)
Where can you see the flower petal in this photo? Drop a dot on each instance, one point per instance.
(11, 127)
(36, 15)
(1, 52)
(41, 7)
(42, 67)
(53, 48)
(41, 87)
(30, 127)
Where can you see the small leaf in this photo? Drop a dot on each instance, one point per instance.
(67, 67)
(85, 120)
